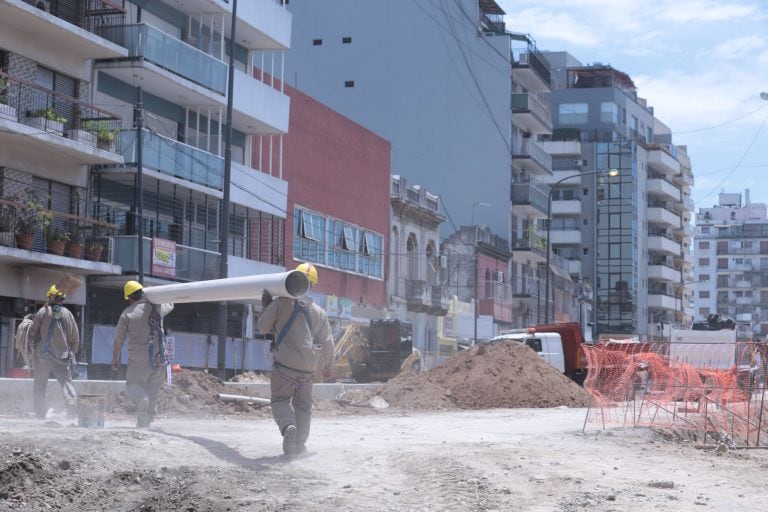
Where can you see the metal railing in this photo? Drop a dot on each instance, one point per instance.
(57, 114)
(92, 15)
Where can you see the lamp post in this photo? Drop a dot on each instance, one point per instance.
(609, 172)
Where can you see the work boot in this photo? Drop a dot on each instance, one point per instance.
(142, 414)
(289, 440)
(300, 448)
(71, 410)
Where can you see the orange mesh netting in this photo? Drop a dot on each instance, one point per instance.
(712, 388)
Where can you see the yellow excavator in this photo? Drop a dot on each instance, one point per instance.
(375, 352)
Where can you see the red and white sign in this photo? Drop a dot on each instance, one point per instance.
(163, 257)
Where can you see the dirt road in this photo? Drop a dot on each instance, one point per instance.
(522, 459)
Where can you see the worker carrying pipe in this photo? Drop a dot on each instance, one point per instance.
(301, 337)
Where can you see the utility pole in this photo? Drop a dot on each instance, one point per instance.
(139, 116)
(224, 224)
(476, 267)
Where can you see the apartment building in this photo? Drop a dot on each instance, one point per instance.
(419, 75)
(631, 233)
(731, 247)
(72, 147)
(417, 295)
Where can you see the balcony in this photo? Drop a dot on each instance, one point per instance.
(660, 187)
(660, 160)
(258, 190)
(501, 311)
(176, 159)
(531, 113)
(664, 216)
(531, 69)
(418, 296)
(663, 273)
(440, 302)
(566, 207)
(565, 236)
(167, 67)
(663, 244)
(40, 124)
(530, 196)
(257, 107)
(73, 25)
(531, 245)
(562, 147)
(533, 158)
(660, 300)
(192, 264)
(262, 24)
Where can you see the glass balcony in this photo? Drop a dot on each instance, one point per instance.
(192, 264)
(174, 55)
(175, 158)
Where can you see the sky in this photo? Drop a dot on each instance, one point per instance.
(701, 64)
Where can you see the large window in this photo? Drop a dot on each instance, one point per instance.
(337, 244)
(573, 113)
(609, 112)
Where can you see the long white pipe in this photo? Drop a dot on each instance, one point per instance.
(283, 284)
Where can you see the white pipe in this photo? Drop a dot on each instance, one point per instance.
(284, 284)
(243, 398)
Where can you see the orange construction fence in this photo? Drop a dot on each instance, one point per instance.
(716, 389)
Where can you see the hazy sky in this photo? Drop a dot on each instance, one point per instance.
(700, 63)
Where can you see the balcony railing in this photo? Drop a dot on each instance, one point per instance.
(192, 264)
(530, 149)
(418, 295)
(57, 114)
(95, 16)
(171, 54)
(175, 158)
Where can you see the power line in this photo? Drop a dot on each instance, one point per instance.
(721, 124)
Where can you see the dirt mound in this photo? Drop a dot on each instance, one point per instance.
(262, 378)
(193, 392)
(500, 375)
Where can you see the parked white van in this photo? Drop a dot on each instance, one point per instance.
(548, 345)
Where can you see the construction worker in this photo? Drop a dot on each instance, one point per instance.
(55, 338)
(142, 323)
(300, 330)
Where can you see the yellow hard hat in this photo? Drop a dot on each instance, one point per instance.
(54, 292)
(131, 287)
(310, 270)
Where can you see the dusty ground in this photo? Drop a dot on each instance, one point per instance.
(456, 438)
(503, 459)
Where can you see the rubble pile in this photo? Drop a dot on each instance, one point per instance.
(499, 375)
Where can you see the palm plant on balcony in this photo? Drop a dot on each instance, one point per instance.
(105, 136)
(30, 219)
(76, 244)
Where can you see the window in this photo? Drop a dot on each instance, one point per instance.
(703, 262)
(371, 257)
(349, 83)
(609, 112)
(309, 236)
(704, 278)
(346, 40)
(704, 294)
(703, 246)
(573, 113)
(317, 42)
(311, 226)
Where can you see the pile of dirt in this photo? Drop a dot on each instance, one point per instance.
(261, 378)
(499, 375)
(193, 392)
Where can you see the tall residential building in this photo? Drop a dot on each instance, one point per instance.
(71, 146)
(431, 77)
(631, 233)
(731, 276)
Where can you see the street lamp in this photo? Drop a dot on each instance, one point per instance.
(609, 172)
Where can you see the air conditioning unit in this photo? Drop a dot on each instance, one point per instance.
(442, 261)
(580, 163)
(498, 276)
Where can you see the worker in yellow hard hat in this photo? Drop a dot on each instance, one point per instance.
(56, 339)
(301, 339)
(141, 322)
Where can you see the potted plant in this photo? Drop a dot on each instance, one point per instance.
(30, 219)
(7, 225)
(76, 244)
(47, 119)
(93, 249)
(85, 132)
(57, 240)
(6, 111)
